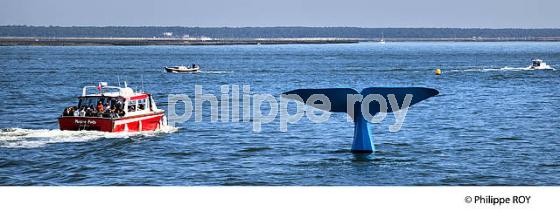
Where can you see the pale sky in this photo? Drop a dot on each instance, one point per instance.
(235, 13)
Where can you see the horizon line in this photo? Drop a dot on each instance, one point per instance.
(165, 26)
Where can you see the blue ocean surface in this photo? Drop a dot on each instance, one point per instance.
(493, 123)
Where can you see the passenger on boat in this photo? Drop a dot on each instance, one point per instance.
(83, 112)
(69, 111)
(111, 111)
(89, 110)
(100, 108)
(120, 112)
(119, 105)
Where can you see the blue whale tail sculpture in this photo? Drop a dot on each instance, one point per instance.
(350, 101)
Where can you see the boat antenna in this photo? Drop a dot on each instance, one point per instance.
(119, 80)
(125, 85)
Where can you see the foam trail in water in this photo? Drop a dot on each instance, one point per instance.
(31, 138)
(216, 72)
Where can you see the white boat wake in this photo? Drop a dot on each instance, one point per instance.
(32, 138)
(506, 68)
(217, 72)
(537, 64)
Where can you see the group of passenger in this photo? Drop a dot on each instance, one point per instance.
(112, 110)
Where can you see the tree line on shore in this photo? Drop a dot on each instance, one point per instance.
(270, 32)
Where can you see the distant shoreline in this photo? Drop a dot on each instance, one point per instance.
(138, 41)
(153, 35)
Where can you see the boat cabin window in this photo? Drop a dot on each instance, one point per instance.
(132, 105)
(138, 105)
(142, 105)
(536, 63)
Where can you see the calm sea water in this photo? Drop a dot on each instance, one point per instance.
(490, 125)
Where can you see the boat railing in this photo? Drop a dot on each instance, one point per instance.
(103, 88)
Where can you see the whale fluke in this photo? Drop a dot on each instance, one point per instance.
(350, 101)
(337, 96)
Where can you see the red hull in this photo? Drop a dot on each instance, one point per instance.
(148, 122)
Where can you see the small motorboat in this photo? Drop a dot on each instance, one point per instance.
(183, 69)
(113, 109)
(538, 64)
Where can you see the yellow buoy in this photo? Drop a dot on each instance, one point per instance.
(438, 72)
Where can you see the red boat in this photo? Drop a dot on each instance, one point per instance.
(113, 109)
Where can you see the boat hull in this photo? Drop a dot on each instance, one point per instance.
(175, 70)
(543, 68)
(148, 122)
